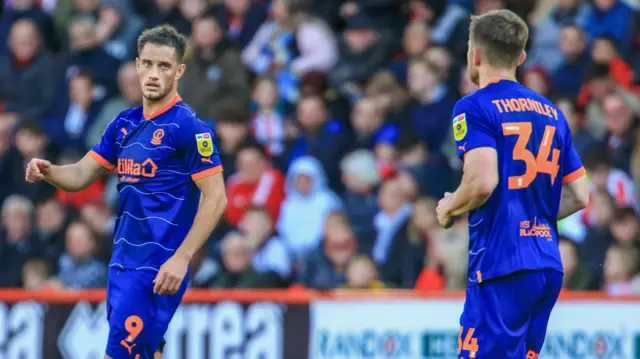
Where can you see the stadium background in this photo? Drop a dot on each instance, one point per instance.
(333, 122)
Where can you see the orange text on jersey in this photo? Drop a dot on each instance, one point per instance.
(129, 167)
(525, 104)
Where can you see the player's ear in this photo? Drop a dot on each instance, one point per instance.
(523, 57)
(181, 69)
(477, 56)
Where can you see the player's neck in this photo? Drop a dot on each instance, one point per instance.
(150, 107)
(490, 75)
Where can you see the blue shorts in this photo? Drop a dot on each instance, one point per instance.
(137, 317)
(507, 317)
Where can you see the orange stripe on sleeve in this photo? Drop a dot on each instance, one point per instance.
(101, 160)
(574, 175)
(206, 173)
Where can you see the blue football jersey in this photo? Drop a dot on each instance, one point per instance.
(517, 228)
(157, 158)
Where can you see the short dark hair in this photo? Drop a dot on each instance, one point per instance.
(408, 141)
(597, 72)
(624, 213)
(32, 127)
(233, 112)
(501, 34)
(252, 144)
(597, 156)
(164, 35)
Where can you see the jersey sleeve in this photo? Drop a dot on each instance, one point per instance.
(471, 128)
(106, 151)
(572, 167)
(197, 145)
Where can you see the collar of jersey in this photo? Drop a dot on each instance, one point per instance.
(164, 109)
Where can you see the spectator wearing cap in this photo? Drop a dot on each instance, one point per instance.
(255, 184)
(363, 50)
(214, 76)
(308, 202)
(429, 115)
(17, 242)
(568, 77)
(27, 9)
(612, 17)
(361, 179)
(240, 19)
(26, 76)
(315, 130)
(545, 37)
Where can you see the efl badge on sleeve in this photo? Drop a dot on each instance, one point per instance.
(205, 144)
(460, 127)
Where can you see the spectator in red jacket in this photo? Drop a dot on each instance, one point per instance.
(255, 184)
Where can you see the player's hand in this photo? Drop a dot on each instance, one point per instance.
(37, 170)
(445, 220)
(171, 275)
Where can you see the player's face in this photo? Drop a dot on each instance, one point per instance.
(472, 68)
(158, 71)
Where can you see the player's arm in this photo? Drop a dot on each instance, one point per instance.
(575, 197)
(212, 205)
(479, 179)
(71, 178)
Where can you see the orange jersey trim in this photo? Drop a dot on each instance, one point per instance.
(163, 109)
(101, 160)
(574, 175)
(206, 173)
(479, 274)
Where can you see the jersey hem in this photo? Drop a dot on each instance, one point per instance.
(482, 279)
(101, 160)
(574, 175)
(206, 173)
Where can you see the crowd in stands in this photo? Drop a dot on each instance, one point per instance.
(333, 122)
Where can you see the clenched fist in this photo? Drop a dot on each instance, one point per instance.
(37, 170)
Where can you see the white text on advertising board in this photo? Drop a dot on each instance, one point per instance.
(367, 344)
(21, 330)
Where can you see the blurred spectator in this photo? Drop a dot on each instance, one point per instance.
(385, 14)
(545, 37)
(621, 123)
(466, 86)
(30, 142)
(538, 79)
(361, 180)
(78, 266)
(392, 252)
(203, 269)
(69, 126)
(169, 12)
(255, 184)
(326, 268)
(130, 96)
(367, 121)
(268, 124)
(26, 76)
(317, 129)
(582, 139)
(612, 17)
(270, 254)
(51, 221)
(102, 222)
(363, 50)
(430, 114)
(619, 267)
(214, 75)
(289, 46)
(390, 97)
(430, 169)
(567, 78)
(232, 131)
(8, 155)
(35, 273)
(305, 209)
(236, 270)
(605, 52)
(598, 237)
(416, 40)
(363, 274)
(27, 9)
(17, 243)
(625, 228)
(423, 231)
(118, 29)
(240, 19)
(576, 276)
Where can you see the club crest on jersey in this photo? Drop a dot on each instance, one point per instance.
(205, 144)
(460, 127)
